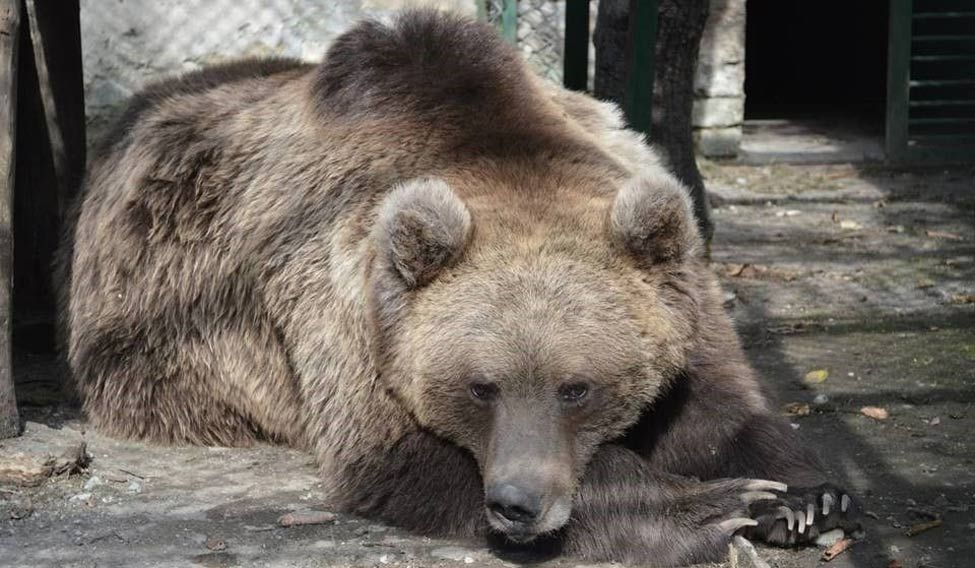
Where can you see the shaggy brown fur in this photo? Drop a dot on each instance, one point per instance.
(474, 296)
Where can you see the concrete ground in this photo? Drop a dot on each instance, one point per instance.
(861, 274)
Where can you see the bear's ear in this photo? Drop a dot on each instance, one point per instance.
(423, 226)
(652, 219)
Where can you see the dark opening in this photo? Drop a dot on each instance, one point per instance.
(820, 61)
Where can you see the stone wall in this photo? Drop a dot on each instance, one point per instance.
(719, 85)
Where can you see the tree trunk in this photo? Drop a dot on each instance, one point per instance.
(679, 30)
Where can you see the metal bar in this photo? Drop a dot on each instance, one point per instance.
(943, 58)
(930, 15)
(898, 78)
(941, 82)
(575, 70)
(923, 38)
(9, 38)
(509, 21)
(638, 102)
(951, 120)
(959, 102)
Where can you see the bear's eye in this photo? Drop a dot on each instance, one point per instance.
(573, 392)
(483, 391)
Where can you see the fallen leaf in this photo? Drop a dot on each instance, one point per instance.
(835, 217)
(963, 299)
(815, 377)
(306, 518)
(922, 527)
(895, 564)
(944, 235)
(852, 225)
(797, 409)
(924, 283)
(837, 548)
(875, 412)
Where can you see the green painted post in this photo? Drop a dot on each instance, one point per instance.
(898, 78)
(575, 70)
(638, 101)
(509, 20)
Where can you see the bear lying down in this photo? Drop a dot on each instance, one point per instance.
(473, 295)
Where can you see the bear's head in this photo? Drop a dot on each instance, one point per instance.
(531, 331)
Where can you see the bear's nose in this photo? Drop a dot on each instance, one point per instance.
(514, 503)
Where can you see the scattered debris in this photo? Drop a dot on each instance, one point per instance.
(455, 553)
(306, 518)
(838, 547)
(93, 481)
(875, 412)
(820, 398)
(815, 377)
(757, 271)
(850, 225)
(216, 544)
(923, 527)
(944, 235)
(19, 506)
(829, 538)
(797, 409)
(744, 555)
(30, 470)
(963, 299)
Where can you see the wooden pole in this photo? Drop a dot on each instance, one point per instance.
(9, 32)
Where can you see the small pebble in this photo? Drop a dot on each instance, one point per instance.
(820, 399)
(80, 497)
(93, 481)
(828, 538)
(134, 487)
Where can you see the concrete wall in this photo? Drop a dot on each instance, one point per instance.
(719, 85)
(127, 43)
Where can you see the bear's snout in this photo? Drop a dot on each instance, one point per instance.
(512, 504)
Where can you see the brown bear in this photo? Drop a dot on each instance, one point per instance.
(475, 296)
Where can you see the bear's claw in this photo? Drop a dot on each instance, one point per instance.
(801, 515)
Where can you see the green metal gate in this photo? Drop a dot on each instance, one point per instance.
(931, 81)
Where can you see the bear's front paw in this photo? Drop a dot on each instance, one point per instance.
(715, 510)
(802, 514)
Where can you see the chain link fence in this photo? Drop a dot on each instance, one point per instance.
(538, 30)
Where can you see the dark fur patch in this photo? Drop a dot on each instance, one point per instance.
(439, 66)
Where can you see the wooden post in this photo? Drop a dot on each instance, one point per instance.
(9, 31)
(55, 32)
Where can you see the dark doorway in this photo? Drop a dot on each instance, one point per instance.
(821, 65)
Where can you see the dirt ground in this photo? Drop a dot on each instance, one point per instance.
(861, 274)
